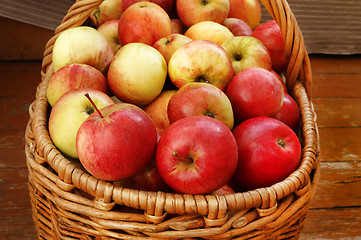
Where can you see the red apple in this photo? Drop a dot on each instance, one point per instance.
(271, 36)
(169, 44)
(238, 27)
(143, 22)
(147, 179)
(116, 142)
(225, 189)
(246, 52)
(255, 92)
(157, 110)
(247, 10)
(196, 155)
(113, 9)
(268, 152)
(192, 12)
(74, 76)
(284, 86)
(109, 30)
(178, 26)
(200, 99)
(167, 5)
(201, 61)
(209, 30)
(289, 112)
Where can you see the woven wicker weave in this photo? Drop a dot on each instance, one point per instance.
(68, 203)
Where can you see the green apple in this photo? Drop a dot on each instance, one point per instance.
(69, 112)
(137, 74)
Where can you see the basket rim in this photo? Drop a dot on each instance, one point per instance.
(265, 198)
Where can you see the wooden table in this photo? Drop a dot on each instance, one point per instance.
(336, 209)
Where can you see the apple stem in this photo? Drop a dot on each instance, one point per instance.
(183, 159)
(92, 102)
(281, 143)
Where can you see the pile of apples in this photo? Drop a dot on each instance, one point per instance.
(180, 96)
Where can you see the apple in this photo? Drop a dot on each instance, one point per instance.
(200, 99)
(271, 36)
(196, 155)
(201, 61)
(116, 142)
(255, 92)
(191, 12)
(246, 52)
(137, 74)
(208, 30)
(247, 10)
(268, 152)
(238, 27)
(225, 189)
(107, 10)
(147, 179)
(178, 26)
(284, 86)
(69, 112)
(143, 22)
(75, 76)
(109, 30)
(289, 113)
(167, 5)
(157, 110)
(82, 44)
(169, 44)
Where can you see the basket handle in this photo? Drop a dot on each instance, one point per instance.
(299, 67)
(77, 14)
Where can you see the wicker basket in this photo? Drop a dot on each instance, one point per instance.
(68, 203)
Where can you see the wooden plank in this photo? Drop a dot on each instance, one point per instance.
(339, 185)
(326, 85)
(340, 144)
(338, 112)
(22, 41)
(14, 195)
(12, 153)
(16, 229)
(335, 223)
(335, 64)
(14, 112)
